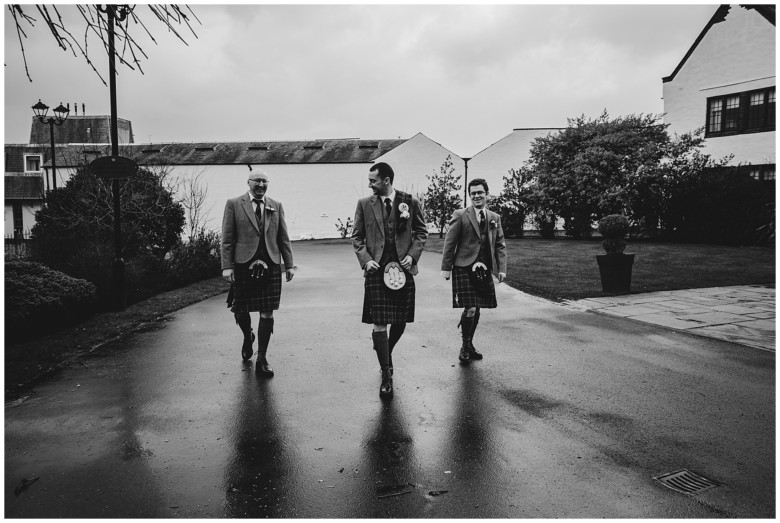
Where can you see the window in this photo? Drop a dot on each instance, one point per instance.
(748, 112)
(18, 220)
(763, 173)
(32, 163)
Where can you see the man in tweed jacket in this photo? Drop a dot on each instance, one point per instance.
(389, 227)
(255, 241)
(475, 237)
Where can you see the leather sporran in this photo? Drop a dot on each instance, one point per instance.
(479, 275)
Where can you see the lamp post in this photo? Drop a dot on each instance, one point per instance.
(60, 114)
(465, 182)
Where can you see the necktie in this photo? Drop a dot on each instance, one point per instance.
(388, 209)
(482, 219)
(259, 211)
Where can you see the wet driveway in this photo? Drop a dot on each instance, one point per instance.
(570, 414)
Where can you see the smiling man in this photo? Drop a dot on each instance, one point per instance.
(254, 243)
(388, 237)
(474, 250)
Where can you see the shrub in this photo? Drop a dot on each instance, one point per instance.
(39, 300)
(345, 229)
(195, 260)
(614, 228)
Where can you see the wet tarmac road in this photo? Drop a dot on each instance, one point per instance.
(570, 414)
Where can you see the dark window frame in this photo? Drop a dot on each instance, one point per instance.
(742, 119)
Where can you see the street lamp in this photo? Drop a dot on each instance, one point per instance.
(60, 114)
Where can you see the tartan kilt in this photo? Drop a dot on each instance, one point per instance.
(466, 294)
(382, 305)
(253, 296)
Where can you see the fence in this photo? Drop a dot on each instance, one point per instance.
(17, 245)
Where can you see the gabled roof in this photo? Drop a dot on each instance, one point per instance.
(350, 150)
(23, 187)
(767, 11)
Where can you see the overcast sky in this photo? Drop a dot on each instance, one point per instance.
(464, 75)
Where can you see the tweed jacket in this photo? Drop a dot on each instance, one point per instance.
(241, 233)
(461, 246)
(368, 231)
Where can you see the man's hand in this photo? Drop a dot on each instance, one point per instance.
(446, 274)
(407, 262)
(227, 275)
(501, 277)
(290, 273)
(371, 266)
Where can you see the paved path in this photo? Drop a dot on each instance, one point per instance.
(740, 314)
(570, 415)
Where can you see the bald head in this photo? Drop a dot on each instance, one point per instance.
(258, 183)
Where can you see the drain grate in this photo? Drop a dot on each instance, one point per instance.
(686, 482)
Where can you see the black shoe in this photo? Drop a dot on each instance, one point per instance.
(246, 349)
(473, 354)
(262, 367)
(386, 389)
(464, 355)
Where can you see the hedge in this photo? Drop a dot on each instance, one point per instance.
(40, 300)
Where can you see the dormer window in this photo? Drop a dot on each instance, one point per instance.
(32, 163)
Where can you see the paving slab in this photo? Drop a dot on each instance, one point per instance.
(742, 314)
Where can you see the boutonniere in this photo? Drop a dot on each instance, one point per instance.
(404, 211)
(493, 224)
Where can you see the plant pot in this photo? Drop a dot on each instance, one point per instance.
(615, 272)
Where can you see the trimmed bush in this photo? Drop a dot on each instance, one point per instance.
(39, 300)
(195, 260)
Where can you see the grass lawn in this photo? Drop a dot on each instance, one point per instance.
(564, 269)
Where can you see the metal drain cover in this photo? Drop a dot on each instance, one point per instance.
(686, 482)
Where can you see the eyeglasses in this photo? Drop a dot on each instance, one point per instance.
(260, 181)
(478, 193)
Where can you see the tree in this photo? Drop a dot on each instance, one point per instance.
(127, 50)
(74, 233)
(443, 195)
(583, 171)
(194, 195)
(514, 202)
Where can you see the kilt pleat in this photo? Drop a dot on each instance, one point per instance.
(466, 294)
(254, 296)
(384, 306)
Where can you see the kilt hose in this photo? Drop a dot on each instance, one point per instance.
(250, 295)
(382, 305)
(466, 294)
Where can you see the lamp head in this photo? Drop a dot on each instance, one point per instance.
(40, 109)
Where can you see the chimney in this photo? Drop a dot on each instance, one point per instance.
(83, 110)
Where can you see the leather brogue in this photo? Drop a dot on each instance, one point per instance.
(464, 355)
(386, 389)
(246, 349)
(474, 354)
(263, 368)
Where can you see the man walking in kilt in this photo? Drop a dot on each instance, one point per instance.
(474, 250)
(389, 230)
(254, 242)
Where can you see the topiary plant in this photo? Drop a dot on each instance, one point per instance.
(614, 229)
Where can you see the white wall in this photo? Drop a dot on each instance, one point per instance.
(28, 217)
(510, 152)
(415, 159)
(735, 55)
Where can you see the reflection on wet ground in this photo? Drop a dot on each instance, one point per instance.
(260, 466)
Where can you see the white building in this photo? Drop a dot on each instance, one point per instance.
(318, 181)
(726, 84)
(510, 152)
